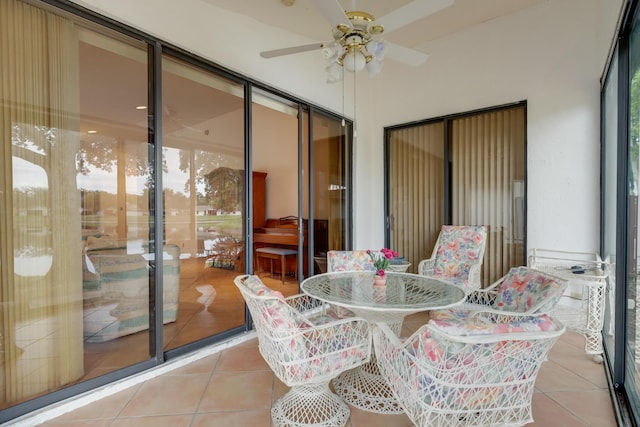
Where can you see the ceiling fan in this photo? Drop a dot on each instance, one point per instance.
(356, 44)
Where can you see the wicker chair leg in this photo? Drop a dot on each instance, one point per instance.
(310, 405)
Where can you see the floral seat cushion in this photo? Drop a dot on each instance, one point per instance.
(524, 288)
(461, 322)
(460, 249)
(357, 260)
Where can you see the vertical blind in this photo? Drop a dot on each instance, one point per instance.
(416, 190)
(487, 183)
(40, 270)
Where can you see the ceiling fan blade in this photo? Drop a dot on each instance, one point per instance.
(293, 49)
(405, 55)
(332, 12)
(409, 13)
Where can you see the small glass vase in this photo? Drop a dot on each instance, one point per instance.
(379, 280)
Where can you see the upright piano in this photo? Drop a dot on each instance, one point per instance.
(281, 233)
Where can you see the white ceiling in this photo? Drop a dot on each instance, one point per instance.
(302, 17)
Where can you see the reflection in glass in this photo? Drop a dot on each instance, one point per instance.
(330, 187)
(632, 349)
(72, 267)
(202, 198)
(277, 220)
(609, 191)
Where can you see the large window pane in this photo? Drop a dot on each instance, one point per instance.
(632, 350)
(330, 187)
(203, 175)
(74, 278)
(278, 221)
(609, 191)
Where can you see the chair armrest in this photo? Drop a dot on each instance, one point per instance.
(426, 266)
(481, 297)
(348, 340)
(500, 316)
(474, 281)
(304, 303)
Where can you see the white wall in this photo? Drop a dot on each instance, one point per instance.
(551, 55)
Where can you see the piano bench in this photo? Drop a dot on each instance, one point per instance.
(277, 253)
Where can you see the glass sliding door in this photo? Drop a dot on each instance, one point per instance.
(632, 347)
(609, 197)
(278, 222)
(74, 197)
(416, 159)
(330, 189)
(463, 170)
(488, 183)
(202, 199)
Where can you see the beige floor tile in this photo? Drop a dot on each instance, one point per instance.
(591, 406)
(553, 377)
(167, 395)
(243, 357)
(79, 423)
(360, 418)
(106, 408)
(259, 418)
(548, 413)
(154, 421)
(206, 365)
(238, 391)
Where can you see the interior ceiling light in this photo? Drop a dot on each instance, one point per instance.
(355, 46)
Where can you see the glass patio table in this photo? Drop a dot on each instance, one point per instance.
(404, 294)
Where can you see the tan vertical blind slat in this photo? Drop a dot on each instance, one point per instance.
(415, 199)
(486, 150)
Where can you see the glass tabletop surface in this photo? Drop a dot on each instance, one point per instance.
(403, 292)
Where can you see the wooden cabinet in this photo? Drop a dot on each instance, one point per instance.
(259, 199)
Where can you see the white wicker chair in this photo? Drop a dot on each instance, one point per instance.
(457, 255)
(306, 346)
(467, 374)
(521, 292)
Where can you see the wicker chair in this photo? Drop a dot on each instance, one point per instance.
(457, 255)
(480, 373)
(521, 292)
(306, 346)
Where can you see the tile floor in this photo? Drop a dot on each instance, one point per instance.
(235, 388)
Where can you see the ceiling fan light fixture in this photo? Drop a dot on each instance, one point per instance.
(354, 61)
(332, 53)
(373, 67)
(377, 49)
(334, 72)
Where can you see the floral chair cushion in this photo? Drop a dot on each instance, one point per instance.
(524, 288)
(460, 247)
(357, 260)
(464, 323)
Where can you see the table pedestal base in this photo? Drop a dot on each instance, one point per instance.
(364, 388)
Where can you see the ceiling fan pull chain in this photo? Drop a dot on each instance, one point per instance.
(343, 121)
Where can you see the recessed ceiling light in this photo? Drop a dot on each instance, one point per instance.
(141, 107)
(92, 131)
